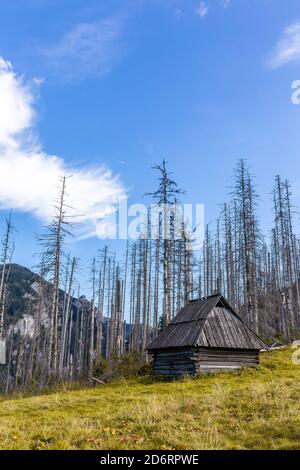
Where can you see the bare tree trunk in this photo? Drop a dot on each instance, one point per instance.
(3, 279)
(66, 318)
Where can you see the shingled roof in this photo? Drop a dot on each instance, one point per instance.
(209, 322)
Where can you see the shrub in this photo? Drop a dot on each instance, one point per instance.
(132, 364)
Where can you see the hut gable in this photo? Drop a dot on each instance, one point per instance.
(208, 323)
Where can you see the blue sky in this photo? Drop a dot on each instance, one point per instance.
(123, 84)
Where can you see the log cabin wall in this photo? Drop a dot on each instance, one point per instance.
(174, 362)
(192, 361)
(213, 360)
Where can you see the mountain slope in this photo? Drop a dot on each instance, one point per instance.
(22, 294)
(249, 409)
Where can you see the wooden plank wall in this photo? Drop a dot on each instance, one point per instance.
(174, 363)
(210, 360)
(192, 361)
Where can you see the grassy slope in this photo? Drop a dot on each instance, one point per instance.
(240, 410)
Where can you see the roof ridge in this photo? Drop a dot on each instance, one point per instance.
(202, 299)
(188, 321)
(198, 326)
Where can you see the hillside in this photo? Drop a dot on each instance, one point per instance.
(22, 293)
(249, 409)
(21, 282)
(22, 300)
(22, 297)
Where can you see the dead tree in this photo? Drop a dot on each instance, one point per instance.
(53, 244)
(6, 255)
(165, 196)
(66, 320)
(92, 319)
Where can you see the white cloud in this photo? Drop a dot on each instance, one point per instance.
(16, 112)
(202, 10)
(89, 49)
(30, 176)
(288, 48)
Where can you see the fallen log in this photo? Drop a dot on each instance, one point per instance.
(98, 380)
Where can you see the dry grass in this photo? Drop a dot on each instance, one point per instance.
(240, 410)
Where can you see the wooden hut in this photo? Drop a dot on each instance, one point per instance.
(206, 335)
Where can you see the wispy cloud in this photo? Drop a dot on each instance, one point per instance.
(178, 13)
(226, 4)
(202, 10)
(89, 49)
(288, 47)
(29, 175)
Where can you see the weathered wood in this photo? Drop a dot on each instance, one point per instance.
(175, 367)
(226, 364)
(98, 381)
(209, 322)
(173, 373)
(191, 361)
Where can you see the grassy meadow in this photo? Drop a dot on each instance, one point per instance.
(248, 409)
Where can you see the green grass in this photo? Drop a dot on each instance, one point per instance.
(248, 409)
